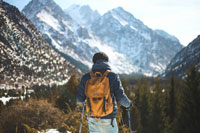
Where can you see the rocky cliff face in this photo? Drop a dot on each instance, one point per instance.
(25, 57)
(187, 57)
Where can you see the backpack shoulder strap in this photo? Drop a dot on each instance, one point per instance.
(106, 73)
(92, 74)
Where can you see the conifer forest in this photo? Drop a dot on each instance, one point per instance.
(159, 106)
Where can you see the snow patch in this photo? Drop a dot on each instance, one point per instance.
(52, 131)
(48, 19)
(133, 28)
(121, 21)
(118, 62)
(7, 99)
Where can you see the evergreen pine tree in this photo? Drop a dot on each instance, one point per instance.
(171, 100)
(169, 106)
(156, 123)
(188, 120)
(72, 85)
(141, 108)
(68, 97)
(1, 105)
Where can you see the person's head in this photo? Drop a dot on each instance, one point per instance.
(100, 56)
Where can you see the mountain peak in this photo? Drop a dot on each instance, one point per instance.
(147, 50)
(86, 7)
(121, 11)
(73, 6)
(44, 2)
(41, 2)
(48, 6)
(118, 9)
(121, 14)
(84, 15)
(36, 5)
(81, 9)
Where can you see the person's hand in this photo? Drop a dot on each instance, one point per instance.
(127, 108)
(131, 105)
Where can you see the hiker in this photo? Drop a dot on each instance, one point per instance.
(100, 90)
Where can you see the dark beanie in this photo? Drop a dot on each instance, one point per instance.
(100, 56)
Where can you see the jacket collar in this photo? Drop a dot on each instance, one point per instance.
(101, 66)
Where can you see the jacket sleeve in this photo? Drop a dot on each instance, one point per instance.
(80, 96)
(119, 93)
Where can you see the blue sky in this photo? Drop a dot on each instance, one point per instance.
(180, 18)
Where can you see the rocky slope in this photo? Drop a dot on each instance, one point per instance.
(25, 57)
(184, 59)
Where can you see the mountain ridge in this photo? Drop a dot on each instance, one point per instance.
(26, 58)
(144, 50)
(148, 50)
(71, 38)
(184, 59)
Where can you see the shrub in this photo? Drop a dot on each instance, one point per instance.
(74, 119)
(36, 114)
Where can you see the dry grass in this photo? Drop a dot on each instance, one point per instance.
(37, 114)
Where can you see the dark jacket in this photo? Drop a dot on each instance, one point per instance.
(116, 89)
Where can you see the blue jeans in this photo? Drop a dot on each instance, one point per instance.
(102, 126)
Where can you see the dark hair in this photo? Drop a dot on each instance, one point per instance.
(100, 56)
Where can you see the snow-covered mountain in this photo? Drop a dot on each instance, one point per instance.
(68, 37)
(145, 48)
(83, 15)
(25, 57)
(150, 51)
(184, 59)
